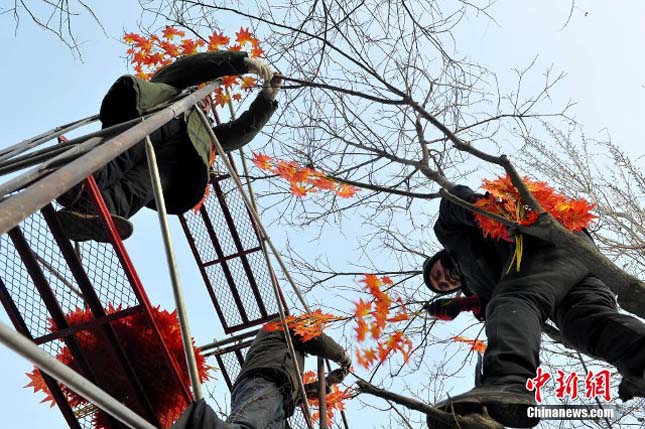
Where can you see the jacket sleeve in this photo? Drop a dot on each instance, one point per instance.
(453, 216)
(323, 345)
(235, 134)
(198, 68)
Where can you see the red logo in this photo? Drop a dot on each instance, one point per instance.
(597, 384)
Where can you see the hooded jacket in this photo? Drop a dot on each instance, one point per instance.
(130, 97)
(482, 262)
(269, 356)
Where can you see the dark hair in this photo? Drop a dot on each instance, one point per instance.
(446, 261)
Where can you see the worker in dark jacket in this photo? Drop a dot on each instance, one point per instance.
(267, 391)
(550, 284)
(183, 146)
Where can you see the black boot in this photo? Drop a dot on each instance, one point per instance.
(507, 404)
(632, 387)
(88, 226)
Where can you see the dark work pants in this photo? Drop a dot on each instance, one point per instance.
(552, 284)
(125, 182)
(257, 403)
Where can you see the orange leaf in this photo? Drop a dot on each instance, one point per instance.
(361, 330)
(244, 36)
(298, 189)
(505, 200)
(307, 326)
(229, 81)
(170, 48)
(256, 52)
(131, 38)
(477, 345)
(363, 308)
(221, 99)
(248, 83)
(171, 32)
(262, 161)
(216, 40)
(346, 191)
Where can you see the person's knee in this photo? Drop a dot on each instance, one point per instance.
(523, 303)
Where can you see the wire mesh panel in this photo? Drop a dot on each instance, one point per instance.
(230, 363)
(80, 302)
(226, 246)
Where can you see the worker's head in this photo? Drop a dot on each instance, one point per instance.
(440, 274)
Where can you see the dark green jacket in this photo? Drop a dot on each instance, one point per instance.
(129, 97)
(269, 356)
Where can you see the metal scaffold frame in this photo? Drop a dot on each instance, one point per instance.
(56, 169)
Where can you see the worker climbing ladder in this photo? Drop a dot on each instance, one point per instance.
(44, 277)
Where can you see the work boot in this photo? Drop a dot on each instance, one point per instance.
(507, 404)
(79, 226)
(631, 387)
(72, 196)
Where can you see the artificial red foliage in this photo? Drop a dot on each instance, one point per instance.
(379, 310)
(307, 326)
(503, 198)
(477, 345)
(335, 399)
(303, 180)
(144, 352)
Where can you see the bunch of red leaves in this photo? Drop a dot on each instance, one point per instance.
(302, 180)
(150, 54)
(307, 326)
(335, 399)
(477, 345)
(144, 352)
(373, 316)
(504, 199)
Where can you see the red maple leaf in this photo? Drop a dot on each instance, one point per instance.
(346, 191)
(229, 81)
(216, 40)
(262, 161)
(244, 36)
(248, 83)
(478, 345)
(171, 32)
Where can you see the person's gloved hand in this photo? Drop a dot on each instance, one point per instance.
(337, 376)
(271, 87)
(334, 377)
(449, 308)
(312, 390)
(259, 68)
(345, 361)
(443, 309)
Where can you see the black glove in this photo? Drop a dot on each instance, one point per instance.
(334, 377)
(312, 389)
(443, 309)
(449, 308)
